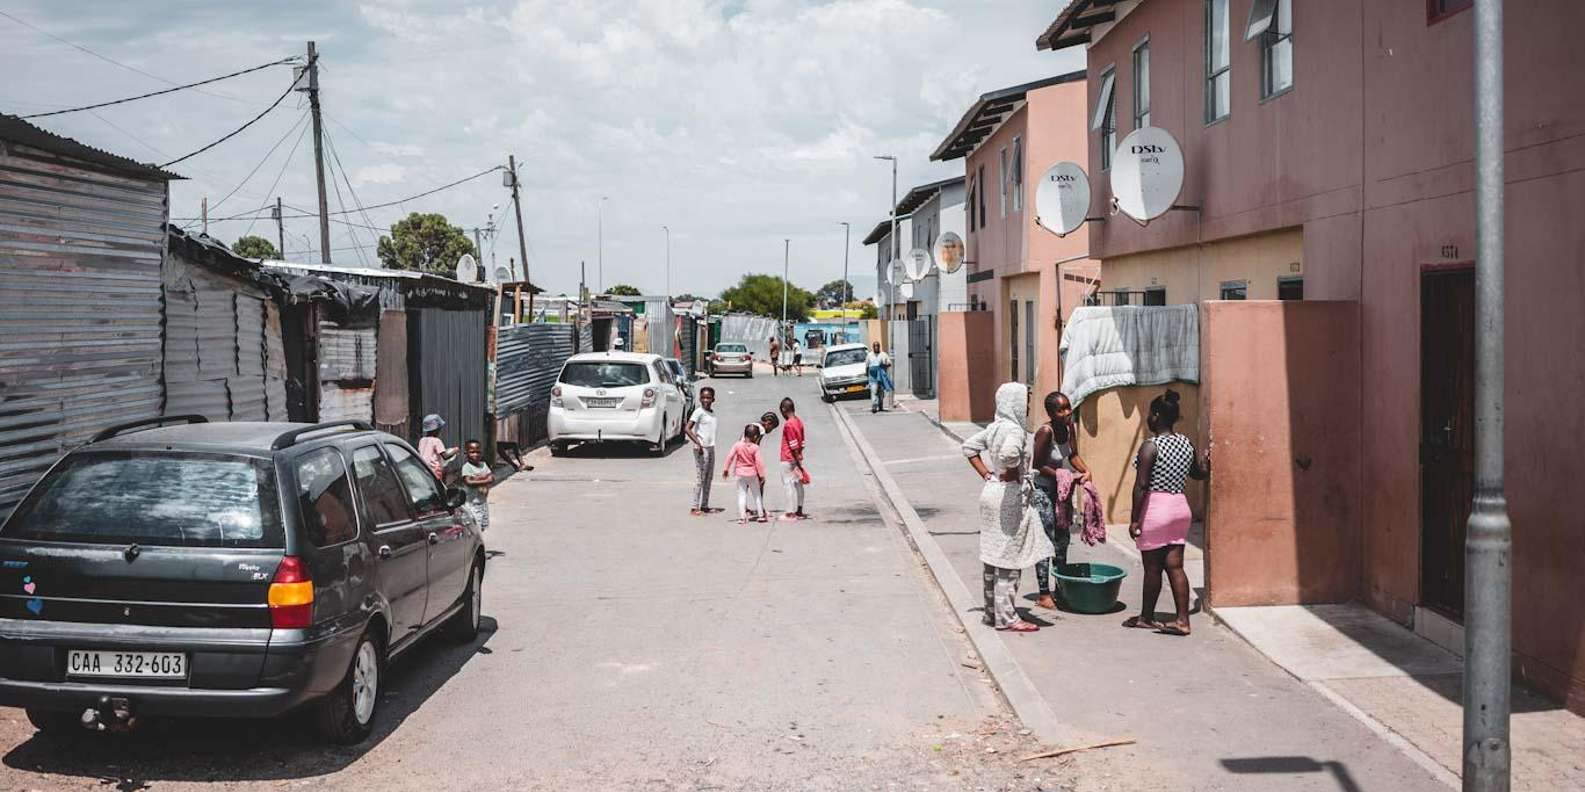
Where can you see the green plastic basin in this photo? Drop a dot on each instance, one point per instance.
(1090, 588)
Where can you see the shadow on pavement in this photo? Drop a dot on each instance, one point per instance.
(1292, 765)
(217, 749)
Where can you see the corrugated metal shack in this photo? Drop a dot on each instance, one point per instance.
(424, 351)
(81, 243)
(527, 359)
(224, 358)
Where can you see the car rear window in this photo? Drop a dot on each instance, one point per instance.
(604, 374)
(846, 357)
(731, 348)
(164, 498)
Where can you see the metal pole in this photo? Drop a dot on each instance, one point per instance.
(668, 263)
(786, 253)
(600, 246)
(522, 244)
(1488, 544)
(847, 287)
(319, 154)
(203, 213)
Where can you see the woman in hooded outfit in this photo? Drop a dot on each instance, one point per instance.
(1011, 537)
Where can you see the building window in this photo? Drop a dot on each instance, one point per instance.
(1005, 174)
(1218, 62)
(1272, 22)
(1018, 174)
(1235, 290)
(979, 179)
(1105, 119)
(1012, 338)
(969, 205)
(1142, 84)
(1120, 297)
(1156, 296)
(1438, 10)
(1290, 288)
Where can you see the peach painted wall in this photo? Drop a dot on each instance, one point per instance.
(1284, 516)
(965, 384)
(1111, 427)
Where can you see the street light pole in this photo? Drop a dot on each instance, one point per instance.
(785, 255)
(891, 300)
(667, 229)
(847, 287)
(600, 244)
(1488, 542)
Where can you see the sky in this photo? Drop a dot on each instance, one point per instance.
(735, 123)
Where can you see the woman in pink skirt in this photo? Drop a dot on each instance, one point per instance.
(1161, 512)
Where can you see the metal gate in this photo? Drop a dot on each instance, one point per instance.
(922, 356)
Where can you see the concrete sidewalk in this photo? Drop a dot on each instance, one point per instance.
(1208, 711)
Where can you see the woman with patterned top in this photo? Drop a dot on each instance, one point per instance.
(1161, 512)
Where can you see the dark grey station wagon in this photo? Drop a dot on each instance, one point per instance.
(229, 570)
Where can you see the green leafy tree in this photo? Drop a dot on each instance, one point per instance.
(255, 247)
(869, 311)
(425, 243)
(832, 294)
(762, 294)
(623, 290)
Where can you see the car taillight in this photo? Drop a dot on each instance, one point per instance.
(291, 596)
(555, 396)
(649, 397)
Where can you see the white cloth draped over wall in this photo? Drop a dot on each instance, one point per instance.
(1112, 347)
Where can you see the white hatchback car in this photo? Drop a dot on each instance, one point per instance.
(615, 396)
(843, 371)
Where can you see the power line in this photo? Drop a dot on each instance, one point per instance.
(161, 93)
(339, 202)
(238, 130)
(266, 158)
(336, 155)
(284, 164)
(426, 193)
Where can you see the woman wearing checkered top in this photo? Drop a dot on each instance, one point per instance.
(1161, 512)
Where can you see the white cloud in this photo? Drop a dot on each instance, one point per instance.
(736, 122)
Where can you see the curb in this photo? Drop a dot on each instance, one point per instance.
(1021, 694)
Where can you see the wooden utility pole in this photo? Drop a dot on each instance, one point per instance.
(280, 228)
(319, 153)
(522, 244)
(204, 214)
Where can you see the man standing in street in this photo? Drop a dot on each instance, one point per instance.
(775, 356)
(792, 460)
(701, 432)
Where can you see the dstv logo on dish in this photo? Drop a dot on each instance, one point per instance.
(1063, 178)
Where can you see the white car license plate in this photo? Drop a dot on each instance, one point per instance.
(604, 404)
(146, 665)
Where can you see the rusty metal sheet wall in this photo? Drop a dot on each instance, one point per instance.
(447, 369)
(217, 344)
(391, 387)
(274, 364)
(528, 357)
(346, 372)
(80, 254)
(585, 337)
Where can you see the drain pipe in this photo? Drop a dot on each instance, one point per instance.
(1488, 545)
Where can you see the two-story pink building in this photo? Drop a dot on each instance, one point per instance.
(1329, 149)
(1007, 139)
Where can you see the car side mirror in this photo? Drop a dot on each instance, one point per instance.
(455, 498)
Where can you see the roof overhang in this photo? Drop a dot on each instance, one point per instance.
(988, 112)
(881, 231)
(16, 131)
(924, 192)
(1072, 26)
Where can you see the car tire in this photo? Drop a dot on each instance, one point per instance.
(463, 627)
(558, 449)
(59, 724)
(346, 716)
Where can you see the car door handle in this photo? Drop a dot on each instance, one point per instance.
(434, 538)
(384, 551)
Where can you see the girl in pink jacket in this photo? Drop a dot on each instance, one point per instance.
(744, 462)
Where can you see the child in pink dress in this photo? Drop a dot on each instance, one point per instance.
(744, 462)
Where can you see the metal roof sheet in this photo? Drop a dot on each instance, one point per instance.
(15, 130)
(988, 112)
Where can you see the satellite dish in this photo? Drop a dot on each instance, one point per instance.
(949, 252)
(467, 269)
(1147, 173)
(1063, 198)
(896, 272)
(906, 290)
(917, 264)
(502, 275)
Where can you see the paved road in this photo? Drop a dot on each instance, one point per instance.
(629, 645)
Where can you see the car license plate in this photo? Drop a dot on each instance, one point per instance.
(855, 388)
(604, 404)
(147, 665)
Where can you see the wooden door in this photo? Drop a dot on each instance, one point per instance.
(1447, 434)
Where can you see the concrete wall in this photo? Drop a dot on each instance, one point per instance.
(966, 383)
(1196, 272)
(1111, 428)
(1283, 525)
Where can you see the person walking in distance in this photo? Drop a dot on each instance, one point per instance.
(1009, 543)
(878, 364)
(1160, 525)
(431, 449)
(701, 432)
(1056, 448)
(793, 475)
(477, 479)
(775, 356)
(798, 357)
(744, 462)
